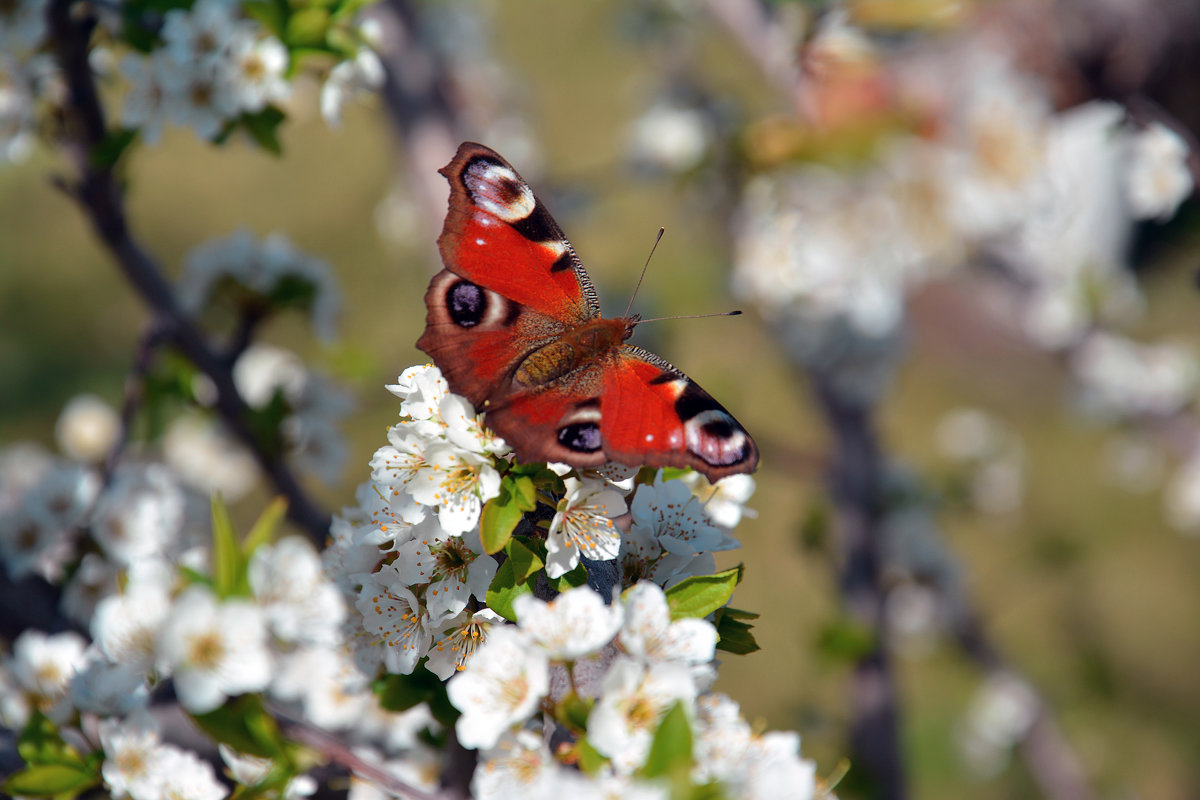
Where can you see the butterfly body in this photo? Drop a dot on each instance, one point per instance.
(515, 326)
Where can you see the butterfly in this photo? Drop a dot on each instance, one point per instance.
(515, 326)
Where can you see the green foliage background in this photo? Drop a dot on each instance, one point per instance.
(1086, 590)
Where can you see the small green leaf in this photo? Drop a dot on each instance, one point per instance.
(41, 743)
(402, 692)
(227, 557)
(109, 150)
(671, 749)
(273, 14)
(524, 561)
(263, 127)
(701, 595)
(502, 513)
(570, 580)
(505, 589)
(50, 780)
(846, 640)
(573, 711)
(590, 759)
(244, 725)
(306, 27)
(265, 527)
(734, 633)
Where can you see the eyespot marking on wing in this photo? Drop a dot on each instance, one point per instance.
(716, 438)
(497, 189)
(469, 304)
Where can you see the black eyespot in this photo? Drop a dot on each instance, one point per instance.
(582, 437)
(467, 303)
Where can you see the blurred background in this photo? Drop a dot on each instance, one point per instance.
(967, 221)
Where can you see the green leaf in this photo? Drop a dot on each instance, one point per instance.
(573, 711)
(846, 640)
(505, 589)
(244, 725)
(701, 595)
(227, 557)
(263, 127)
(306, 27)
(265, 527)
(109, 150)
(50, 780)
(273, 14)
(590, 759)
(570, 580)
(671, 749)
(734, 633)
(402, 692)
(502, 513)
(525, 563)
(40, 743)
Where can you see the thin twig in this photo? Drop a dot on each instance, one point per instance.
(335, 750)
(99, 196)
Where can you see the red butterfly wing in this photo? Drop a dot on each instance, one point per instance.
(632, 408)
(499, 235)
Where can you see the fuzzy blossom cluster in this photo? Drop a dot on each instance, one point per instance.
(28, 76)
(213, 66)
(115, 546)
(409, 555)
(996, 173)
(260, 274)
(632, 664)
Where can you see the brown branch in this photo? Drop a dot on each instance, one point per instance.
(856, 478)
(96, 191)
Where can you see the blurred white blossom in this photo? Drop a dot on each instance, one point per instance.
(87, 428)
(1157, 177)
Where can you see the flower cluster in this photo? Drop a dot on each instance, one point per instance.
(628, 665)
(213, 66)
(259, 275)
(1052, 195)
(409, 559)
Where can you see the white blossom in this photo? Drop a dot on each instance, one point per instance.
(108, 688)
(454, 568)
(360, 75)
(1157, 178)
(635, 698)
(140, 515)
(392, 613)
(126, 626)
(300, 604)
(583, 525)
(215, 649)
(207, 458)
(42, 666)
(457, 640)
(458, 482)
(500, 687)
(333, 693)
(87, 428)
(574, 624)
(649, 633)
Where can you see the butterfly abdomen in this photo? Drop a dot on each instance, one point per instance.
(577, 347)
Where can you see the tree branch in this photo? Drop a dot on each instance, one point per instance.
(99, 196)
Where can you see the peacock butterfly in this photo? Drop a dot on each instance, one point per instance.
(515, 326)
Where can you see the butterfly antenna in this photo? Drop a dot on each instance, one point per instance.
(657, 239)
(693, 316)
